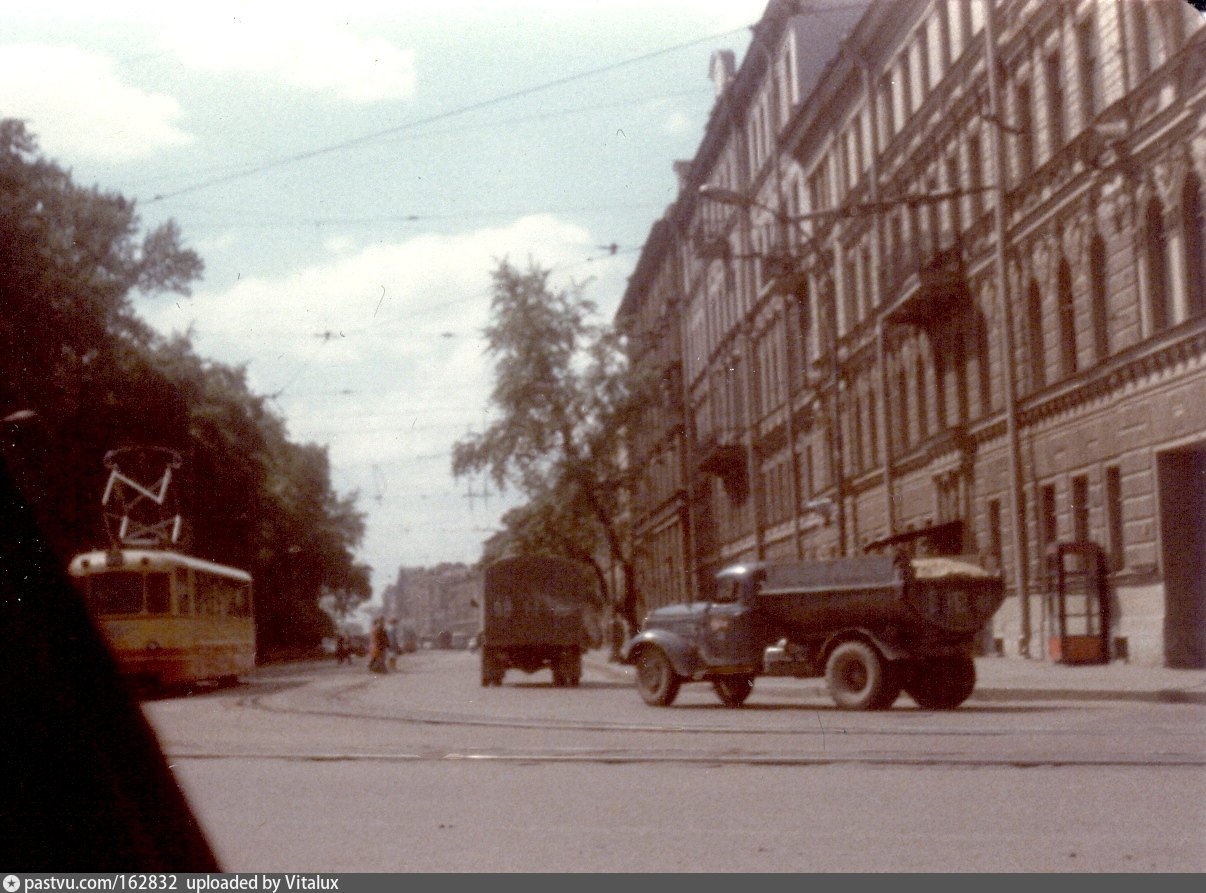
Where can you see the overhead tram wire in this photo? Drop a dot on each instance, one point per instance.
(247, 168)
(421, 218)
(609, 251)
(607, 254)
(442, 116)
(377, 324)
(472, 107)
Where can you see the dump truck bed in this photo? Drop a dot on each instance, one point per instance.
(937, 595)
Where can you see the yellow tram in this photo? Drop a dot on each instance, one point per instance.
(169, 618)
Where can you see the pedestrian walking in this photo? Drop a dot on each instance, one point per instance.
(391, 634)
(378, 646)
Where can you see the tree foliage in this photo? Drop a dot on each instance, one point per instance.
(74, 351)
(562, 397)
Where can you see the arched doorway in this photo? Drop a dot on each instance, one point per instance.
(1182, 481)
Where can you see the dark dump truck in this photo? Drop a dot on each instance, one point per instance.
(538, 611)
(872, 626)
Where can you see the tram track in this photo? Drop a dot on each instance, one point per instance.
(831, 740)
(708, 759)
(829, 721)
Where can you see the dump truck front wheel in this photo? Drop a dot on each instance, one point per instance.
(656, 680)
(733, 690)
(859, 678)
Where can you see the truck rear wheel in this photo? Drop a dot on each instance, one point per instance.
(941, 683)
(492, 668)
(858, 678)
(733, 690)
(567, 667)
(656, 680)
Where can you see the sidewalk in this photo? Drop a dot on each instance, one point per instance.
(1019, 679)
(1015, 678)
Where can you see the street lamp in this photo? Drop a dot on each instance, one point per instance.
(726, 196)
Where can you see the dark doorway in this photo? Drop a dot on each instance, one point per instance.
(1182, 481)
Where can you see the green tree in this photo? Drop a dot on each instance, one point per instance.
(563, 397)
(72, 350)
(75, 353)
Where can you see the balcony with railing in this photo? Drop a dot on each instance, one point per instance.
(929, 282)
(723, 454)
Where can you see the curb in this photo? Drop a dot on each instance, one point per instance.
(999, 693)
(1157, 696)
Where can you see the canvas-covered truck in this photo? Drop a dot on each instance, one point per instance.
(538, 611)
(872, 626)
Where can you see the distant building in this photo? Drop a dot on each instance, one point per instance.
(437, 603)
(923, 307)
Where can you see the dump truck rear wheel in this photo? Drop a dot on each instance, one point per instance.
(567, 668)
(941, 683)
(656, 680)
(860, 679)
(733, 690)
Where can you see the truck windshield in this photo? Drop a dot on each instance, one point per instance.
(729, 590)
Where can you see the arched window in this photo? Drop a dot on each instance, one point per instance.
(798, 325)
(1099, 298)
(1034, 337)
(1023, 131)
(872, 426)
(941, 365)
(1156, 251)
(900, 426)
(923, 408)
(983, 364)
(1067, 319)
(959, 360)
(1193, 225)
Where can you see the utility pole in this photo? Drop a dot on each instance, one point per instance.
(1005, 315)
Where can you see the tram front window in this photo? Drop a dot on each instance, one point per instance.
(115, 593)
(159, 594)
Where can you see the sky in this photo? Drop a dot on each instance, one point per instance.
(351, 174)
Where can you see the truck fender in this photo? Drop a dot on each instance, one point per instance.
(683, 656)
(889, 651)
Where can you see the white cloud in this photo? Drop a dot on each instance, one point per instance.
(676, 123)
(409, 311)
(300, 47)
(78, 107)
(403, 376)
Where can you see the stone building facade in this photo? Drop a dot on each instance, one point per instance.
(436, 604)
(935, 279)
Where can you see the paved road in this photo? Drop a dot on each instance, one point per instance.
(318, 767)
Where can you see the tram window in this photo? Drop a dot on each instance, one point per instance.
(116, 593)
(184, 595)
(159, 596)
(239, 604)
(208, 597)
